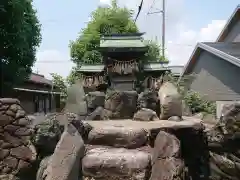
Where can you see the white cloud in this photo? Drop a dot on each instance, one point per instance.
(105, 2)
(180, 49)
(52, 61)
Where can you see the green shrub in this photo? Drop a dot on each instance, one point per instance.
(198, 104)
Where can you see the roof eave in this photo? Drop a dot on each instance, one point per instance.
(225, 29)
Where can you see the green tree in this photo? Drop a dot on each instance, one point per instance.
(105, 20)
(154, 52)
(59, 82)
(19, 37)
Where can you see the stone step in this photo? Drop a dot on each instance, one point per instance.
(118, 136)
(134, 134)
(116, 164)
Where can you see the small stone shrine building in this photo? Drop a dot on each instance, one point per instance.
(124, 67)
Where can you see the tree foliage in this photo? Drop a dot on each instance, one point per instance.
(104, 20)
(19, 37)
(154, 52)
(59, 82)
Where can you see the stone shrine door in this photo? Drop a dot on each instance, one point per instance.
(123, 83)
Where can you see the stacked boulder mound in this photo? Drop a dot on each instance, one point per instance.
(224, 145)
(17, 153)
(157, 150)
(114, 152)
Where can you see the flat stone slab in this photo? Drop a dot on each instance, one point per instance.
(148, 126)
(125, 137)
(116, 164)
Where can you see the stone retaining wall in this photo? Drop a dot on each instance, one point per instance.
(16, 151)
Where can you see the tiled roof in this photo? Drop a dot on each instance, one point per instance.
(122, 41)
(177, 70)
(40, 79)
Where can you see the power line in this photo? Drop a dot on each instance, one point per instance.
(139, 10)
(69, 61)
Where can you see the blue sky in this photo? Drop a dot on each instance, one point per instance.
(187, 22)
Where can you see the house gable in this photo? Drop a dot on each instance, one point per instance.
(215, 78)
(231, 31)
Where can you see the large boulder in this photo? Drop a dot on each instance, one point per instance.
(95, 99)
(118, 136)
(145, 114)
(166, 161)
(116, 163)
(42, 168)
(76, 100)
(122, 104)
(17, 153)
(47, 132)
(148, 99)
(170, 101)
(65, 162)
(99, 114)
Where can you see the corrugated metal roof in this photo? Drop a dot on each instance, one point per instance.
(232, 49)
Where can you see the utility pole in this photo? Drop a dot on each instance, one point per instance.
(163, 29)
(163, 11)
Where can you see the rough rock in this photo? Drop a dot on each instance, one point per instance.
(116, 164)
(175, 118)
(66, 118)
(76, 102)
(17, 154)
(148, 99)
(95, 99)
(170, 101)
(99, 114)
(47, 132)
(126, 137)
(122, 104)
(145, 115)
(166, 162)
(186, 110)
(224, 145)
(65, 162)
(42, 168)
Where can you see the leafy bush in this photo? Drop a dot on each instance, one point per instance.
(198, 104)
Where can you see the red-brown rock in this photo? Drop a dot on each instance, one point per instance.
(23, 153)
